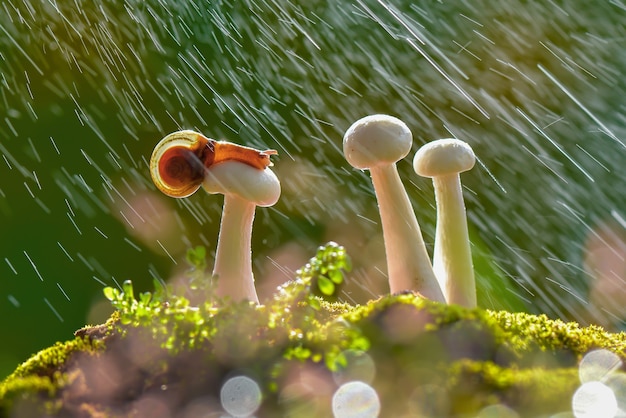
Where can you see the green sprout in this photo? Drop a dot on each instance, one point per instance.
(325, 271)
(292, 309)
(138, 311)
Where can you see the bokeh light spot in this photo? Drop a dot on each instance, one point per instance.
(240, 396)
(596, 365)
(356, 400)
(594, 400)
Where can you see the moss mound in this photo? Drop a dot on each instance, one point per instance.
(162, 356)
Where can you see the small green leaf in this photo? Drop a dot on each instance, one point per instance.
(336, 276)
(145, 297)
(127, 286)
(325, 285)
(111, 293)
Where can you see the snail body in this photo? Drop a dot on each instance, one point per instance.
(179, 161)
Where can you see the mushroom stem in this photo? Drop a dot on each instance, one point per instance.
(408, 264)
(452, 259)
(233, 257)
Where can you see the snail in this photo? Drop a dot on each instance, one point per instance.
(179, 161)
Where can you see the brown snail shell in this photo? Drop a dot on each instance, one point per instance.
(179, 160)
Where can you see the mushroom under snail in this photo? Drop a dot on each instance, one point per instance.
(244, 188)
(377, 142)
(443, 160)
(184, 161)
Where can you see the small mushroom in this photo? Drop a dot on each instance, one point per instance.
(443, 160)
(376, 143)
(244, 188)
(185, 160)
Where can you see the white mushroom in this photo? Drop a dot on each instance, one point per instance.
(244, 187)
(443, 160)
(185, 160)
(376, 143)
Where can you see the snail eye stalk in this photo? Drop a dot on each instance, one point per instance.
(179, 161)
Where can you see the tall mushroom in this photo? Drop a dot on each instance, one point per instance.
(184, 161)
(443, 160)
(244, 188)
(377, 142)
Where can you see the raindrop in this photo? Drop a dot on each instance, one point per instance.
(594, 400)
(63, 291)
(355, 400)
(100, 232)
(55, 146)
(65, 252)
(33, 265)
(74, 223)
(167, 252)
(240, 396)
(14, 301)
(132, 244)
(10, 265)
(54, 311)
(99, 281)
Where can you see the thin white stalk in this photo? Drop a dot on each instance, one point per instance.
(233, 258)
(408, 264)
(452, 260)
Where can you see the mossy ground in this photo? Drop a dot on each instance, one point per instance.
(164, 356)
(422, 358)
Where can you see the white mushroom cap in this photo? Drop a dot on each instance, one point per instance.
(375, 140)
(443, 157)
(260, 187)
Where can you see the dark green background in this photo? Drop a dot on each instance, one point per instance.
(87, 89)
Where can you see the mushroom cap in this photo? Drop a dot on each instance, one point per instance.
(375, 140)
(260, 187)
(443, 157)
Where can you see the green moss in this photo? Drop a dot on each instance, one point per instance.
(422, 358)
(38, 379)
(526, 332)
(534, 391)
